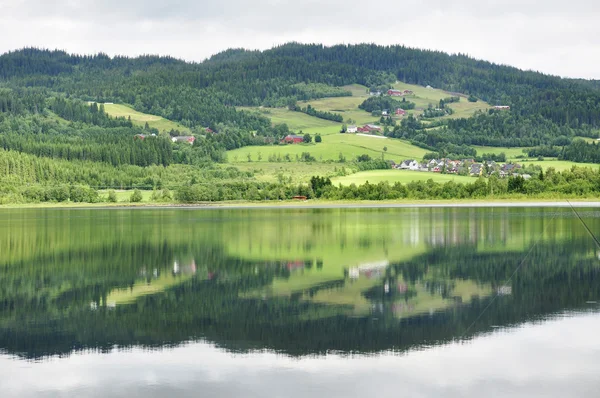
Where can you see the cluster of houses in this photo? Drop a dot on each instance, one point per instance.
(367, 128)
(465, 166)
(398, 93)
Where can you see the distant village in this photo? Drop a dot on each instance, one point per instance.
(463, 167)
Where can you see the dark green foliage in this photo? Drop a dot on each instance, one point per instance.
(309, 110)
(381, 103)
(492, 129)
(112, 196)
(548, 151)
(500, 157)
(581, 151)
(136, 196)
(318, 138)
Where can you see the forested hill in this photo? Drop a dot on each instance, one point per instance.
(202, 93)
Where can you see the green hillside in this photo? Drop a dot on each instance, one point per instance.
(239, 105)
(349, 145)
(140, 119)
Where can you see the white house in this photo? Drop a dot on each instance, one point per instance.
(409, 165)
(351, 129)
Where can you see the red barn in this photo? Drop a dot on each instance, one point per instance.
(292, 139)
(395, 93)
(400, 112)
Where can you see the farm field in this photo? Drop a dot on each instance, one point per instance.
(511, 153)
(124, 195)
(401, 176)
(140, 119)
(297, 121)
(424, 96)
(345, 106)
(559, 165)
(349, 145)
(298, 172)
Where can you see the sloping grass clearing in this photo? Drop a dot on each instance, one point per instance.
(140, 119)
(511, 153)
(349, 145)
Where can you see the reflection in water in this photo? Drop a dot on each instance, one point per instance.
(293, 281)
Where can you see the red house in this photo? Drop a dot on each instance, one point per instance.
(395, 93)
(368, 128)
(400, 112)
(292, 139)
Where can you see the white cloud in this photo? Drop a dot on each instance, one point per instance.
(550, 37)
(556, 358)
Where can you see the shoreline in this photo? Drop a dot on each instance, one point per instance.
(320, 204)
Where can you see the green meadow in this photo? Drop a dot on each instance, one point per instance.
(401, 176)
(349, 145)
(423, 97)
(511, 153)
(140, 119)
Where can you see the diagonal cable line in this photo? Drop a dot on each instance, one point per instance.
(584, 224)
(538, 240)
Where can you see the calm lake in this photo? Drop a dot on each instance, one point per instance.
(423, 302)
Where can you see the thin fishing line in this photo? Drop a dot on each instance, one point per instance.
(509, 279)
(584, 224)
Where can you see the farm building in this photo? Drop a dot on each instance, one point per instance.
(410, 164)
(368, 128)
(400, 112)
(351, 129)
(395, 93)
(502, 107)
(292, 139)
(184, 138)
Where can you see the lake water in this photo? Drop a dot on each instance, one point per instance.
(429, 302)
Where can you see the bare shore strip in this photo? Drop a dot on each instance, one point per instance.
(321, 204)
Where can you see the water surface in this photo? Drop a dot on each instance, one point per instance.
(297, 302)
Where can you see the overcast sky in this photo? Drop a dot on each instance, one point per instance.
(557, 37)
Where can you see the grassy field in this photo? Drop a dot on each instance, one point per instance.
(297, 171)
(124, 195)
(357, 90)
(298, 121)
(350, 145)
(559, 165)
(141, 119)
(424, 96)
(345, 106)
(511, 153)
(402, 176)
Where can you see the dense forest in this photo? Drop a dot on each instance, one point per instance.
(203, 93)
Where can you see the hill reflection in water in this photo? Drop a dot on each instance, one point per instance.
(296, 282)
